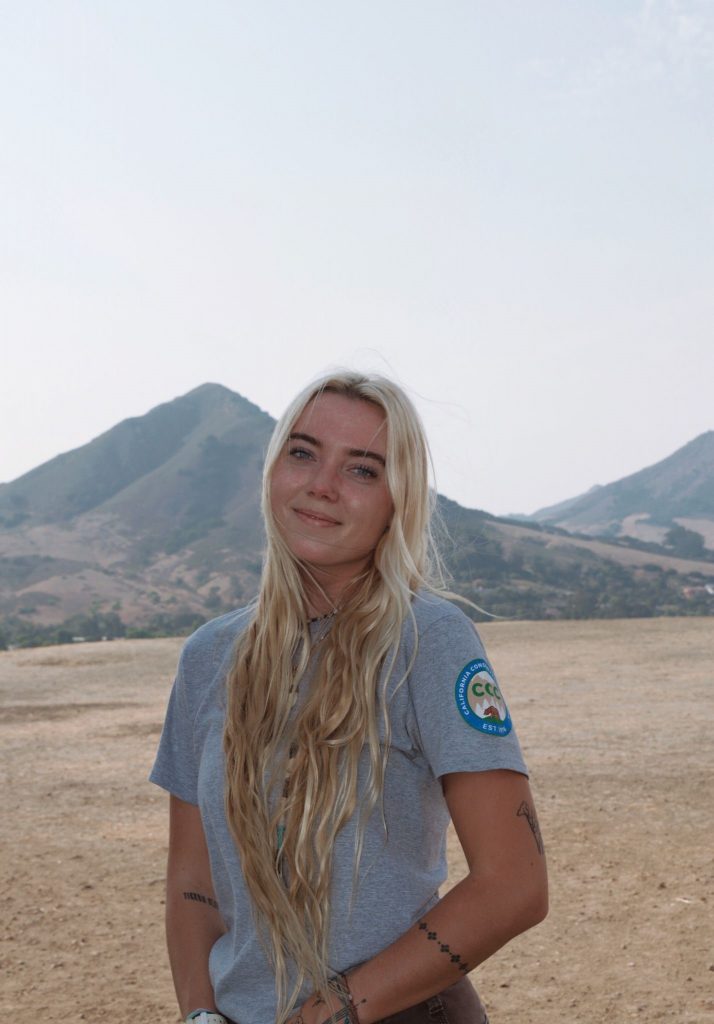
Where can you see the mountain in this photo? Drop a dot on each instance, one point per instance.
(154, 526)
(182, 444)
(157, 516)
(670, 503)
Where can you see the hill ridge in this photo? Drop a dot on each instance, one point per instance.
(649, 503)
(154, 526)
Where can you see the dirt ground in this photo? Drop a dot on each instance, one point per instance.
(616, 719)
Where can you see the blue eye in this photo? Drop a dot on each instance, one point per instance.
(364, 471)
(300, 453)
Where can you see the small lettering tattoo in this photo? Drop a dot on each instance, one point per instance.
(454, 958)
(199, 898)
(527, 812)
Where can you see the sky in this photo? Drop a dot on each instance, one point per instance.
(506, 207)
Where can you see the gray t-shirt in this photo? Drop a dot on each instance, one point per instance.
(448, 716)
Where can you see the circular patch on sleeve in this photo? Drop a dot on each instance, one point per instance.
(479, 699)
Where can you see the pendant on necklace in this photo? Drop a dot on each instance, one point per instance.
(325, 626)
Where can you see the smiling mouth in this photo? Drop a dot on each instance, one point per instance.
(315, 517)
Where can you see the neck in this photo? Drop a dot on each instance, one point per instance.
(318, 604)
(323, 597)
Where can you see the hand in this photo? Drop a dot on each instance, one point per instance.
(306, 1014)
(315, 1010)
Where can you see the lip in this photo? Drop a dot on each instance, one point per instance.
(317, 518)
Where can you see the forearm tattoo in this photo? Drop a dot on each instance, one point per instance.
(199, 898)
(527, 812)
(455, 958)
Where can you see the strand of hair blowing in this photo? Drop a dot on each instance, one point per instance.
(339, 719)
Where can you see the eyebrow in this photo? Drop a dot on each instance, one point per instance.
(357, 453)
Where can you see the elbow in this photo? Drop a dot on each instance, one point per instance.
(521, 904)
(536, 907)
(532, 907)
(526, 912)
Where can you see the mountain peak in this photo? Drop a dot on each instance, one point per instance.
(647, 503)
(209, 386)
(85, 478)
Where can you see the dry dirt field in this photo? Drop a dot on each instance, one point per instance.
(616, 719)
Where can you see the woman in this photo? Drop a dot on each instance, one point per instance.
(318, 741)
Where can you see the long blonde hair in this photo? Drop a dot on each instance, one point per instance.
(289, 882)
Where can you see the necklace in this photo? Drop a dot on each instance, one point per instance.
(325, 625)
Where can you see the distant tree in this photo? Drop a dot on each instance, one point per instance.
(685, 543)
(582, 605)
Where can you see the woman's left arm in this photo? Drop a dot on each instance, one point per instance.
(504, 893)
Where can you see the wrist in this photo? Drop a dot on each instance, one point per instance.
(341, 987)
(335, 1005)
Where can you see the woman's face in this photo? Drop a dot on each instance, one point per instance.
(328, 489)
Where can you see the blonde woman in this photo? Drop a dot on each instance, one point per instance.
(318, 741)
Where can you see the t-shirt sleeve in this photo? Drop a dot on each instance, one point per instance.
(462, 720)
(176, 765)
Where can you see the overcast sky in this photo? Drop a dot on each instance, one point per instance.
(508, 207)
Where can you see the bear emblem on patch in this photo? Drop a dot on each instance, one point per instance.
(479, 699)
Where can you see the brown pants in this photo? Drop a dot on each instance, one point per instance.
(458, 1004)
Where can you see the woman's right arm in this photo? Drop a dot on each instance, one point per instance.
(193, 921)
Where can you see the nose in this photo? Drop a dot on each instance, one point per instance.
(323, 483)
